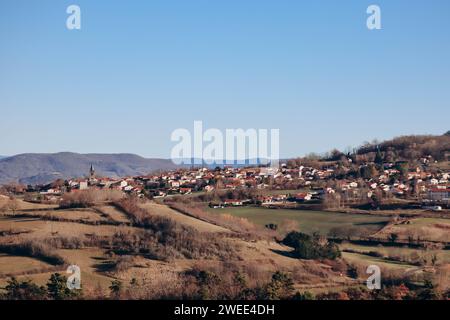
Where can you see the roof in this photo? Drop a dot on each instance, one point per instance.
(440, 190)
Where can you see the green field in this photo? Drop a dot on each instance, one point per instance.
(308, 221)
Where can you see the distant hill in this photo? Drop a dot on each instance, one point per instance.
(405, 148)
(412, 147)
(36, 168)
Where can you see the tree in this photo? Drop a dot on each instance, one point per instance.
(24, 290)
(352, 272)
(429, 292)
(357, 293)
(368, 172)
(281, 286)
(378, 157)
(330, 251)
(307, 247)
(293, 238)
(57, 288)
(393, 237)
(403, 168)
(116, 289)
(305, 296)
(239, 283)
(208, 282)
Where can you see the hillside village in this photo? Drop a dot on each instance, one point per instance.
(419, 186)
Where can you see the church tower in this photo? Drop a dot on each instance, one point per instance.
(91, 173)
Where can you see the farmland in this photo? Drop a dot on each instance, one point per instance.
(76, 236)
(308, 221)
(112, 242)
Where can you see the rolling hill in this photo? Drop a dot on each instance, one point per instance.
(35, 168)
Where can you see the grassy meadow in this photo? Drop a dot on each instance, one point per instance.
(308, 221)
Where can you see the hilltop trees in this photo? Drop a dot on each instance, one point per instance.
(412, 147)
(379, 157)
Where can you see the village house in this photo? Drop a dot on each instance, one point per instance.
(233, 203)
(440, 194)
(302, 197)
(83, 185)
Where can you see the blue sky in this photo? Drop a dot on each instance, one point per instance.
(137, 70)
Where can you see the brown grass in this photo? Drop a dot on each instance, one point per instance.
(89, 198)
(239, 225)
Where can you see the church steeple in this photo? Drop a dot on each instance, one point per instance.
(91, 172)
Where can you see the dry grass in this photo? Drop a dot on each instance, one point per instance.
(164, 211)
(74, 215)
(408, 255)
(189, 242)
(87, 259)
(364, 261)
(13, 265)
(241, 226)
(7, 203)
(39, 229)
(112, 213)
(40, 251)
(422, 229)
(89, 198)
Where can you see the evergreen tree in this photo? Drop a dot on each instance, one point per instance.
(379, 157)
(281, 286)
(57, 288)
(24, 290)
(116, 289)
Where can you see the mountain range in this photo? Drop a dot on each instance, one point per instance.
(40, 168)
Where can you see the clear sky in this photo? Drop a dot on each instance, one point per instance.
(137, 70)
